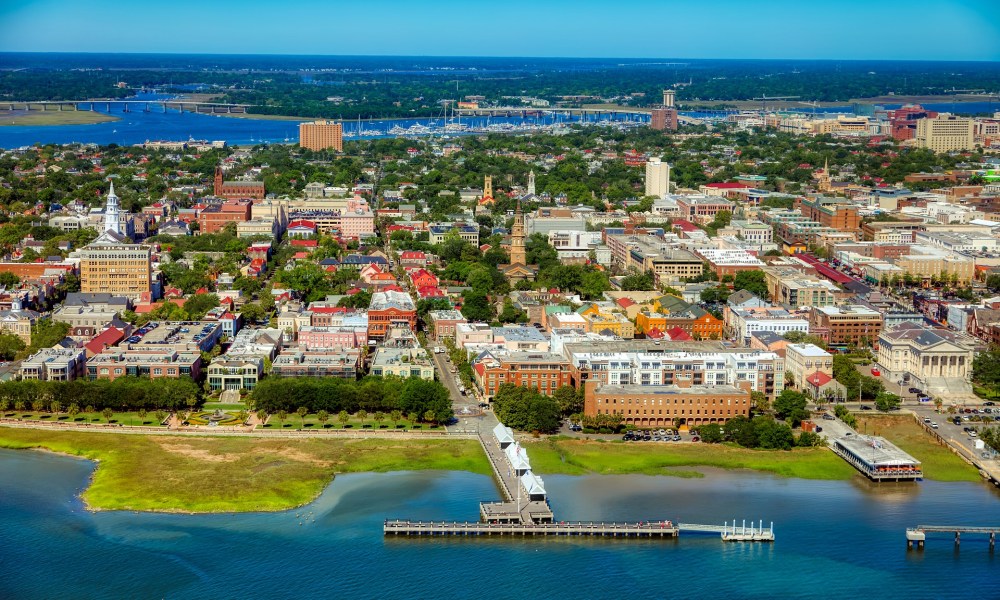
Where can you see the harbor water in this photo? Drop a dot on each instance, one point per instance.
(836, 539)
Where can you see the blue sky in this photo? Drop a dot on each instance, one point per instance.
(844, 29)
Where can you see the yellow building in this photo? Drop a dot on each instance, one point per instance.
(616, 324)
(946, 133)
(112, 265)
(926, 266)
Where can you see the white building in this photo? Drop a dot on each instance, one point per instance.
(657, 178)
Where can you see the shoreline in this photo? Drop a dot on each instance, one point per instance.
(53, 118)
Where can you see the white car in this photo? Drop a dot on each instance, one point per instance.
(934, 425)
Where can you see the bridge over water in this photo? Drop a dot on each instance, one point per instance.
(127, 106)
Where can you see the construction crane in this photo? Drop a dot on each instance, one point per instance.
(763, 100)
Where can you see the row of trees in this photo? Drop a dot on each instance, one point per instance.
(124, 393)
(371, 394)
(760, 432)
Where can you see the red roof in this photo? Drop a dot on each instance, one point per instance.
(685, 225)
(654, 333)
(305, 243)
(302, 223)
(108, 337)
(819, 379)
(625, 302)
(412, 255)
(300, 255)
(430, 291)
(480, 368)
(678, 335)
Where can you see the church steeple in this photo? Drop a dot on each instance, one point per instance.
(531, 182)
(111, 219)
(518, 254)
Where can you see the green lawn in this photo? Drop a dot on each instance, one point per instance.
(124, 418)
(53, 117)
(580, 457)
(224, 406)
(938, 462)
(293, 421)
(202, 474)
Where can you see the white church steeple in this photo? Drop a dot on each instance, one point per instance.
(111, 219)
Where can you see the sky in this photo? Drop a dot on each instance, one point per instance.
(803, 29)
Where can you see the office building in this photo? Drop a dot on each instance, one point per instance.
(646, 406)
(946, 133)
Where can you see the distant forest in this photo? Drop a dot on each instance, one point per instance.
(373, 87)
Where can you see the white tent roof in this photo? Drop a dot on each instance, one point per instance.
(533, 484)
(517, 457)
(503, 434)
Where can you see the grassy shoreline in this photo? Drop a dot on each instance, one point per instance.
(580, 457)
(938, 462)
(53, 117)
(245, 474)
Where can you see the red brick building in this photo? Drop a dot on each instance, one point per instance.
(390, 309)
(237, 190)
(663, 119)
(544, 372)
(666, 405)
(216, 216)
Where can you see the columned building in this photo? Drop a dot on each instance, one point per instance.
(111, 263)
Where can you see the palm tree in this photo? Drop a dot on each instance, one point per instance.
(55, 407)
(379, 417)
(937, 404)
(160, 416)
(396, 416)
(323, 416)
(19, 405)
(302, 412)
(262, 416)
(413, 418)
(343, 417)
(430, 417)
(107, 413)
(38, 405)
(142, 415)
(362, 415)
(4, 405)
(282, 415)
(73, 410)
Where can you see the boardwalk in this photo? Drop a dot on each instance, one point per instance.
(916, 536)
(645, 529)
(516, 504)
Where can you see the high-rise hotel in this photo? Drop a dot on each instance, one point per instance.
(322, 135)
(111, 263)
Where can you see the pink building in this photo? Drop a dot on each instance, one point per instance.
(313, 337)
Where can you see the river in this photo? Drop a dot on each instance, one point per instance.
(834, 540)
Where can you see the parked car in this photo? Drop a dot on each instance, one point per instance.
(876, 372)
(829, 417)
(865, 407)
(934, 425)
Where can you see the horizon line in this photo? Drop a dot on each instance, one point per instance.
(484, 56)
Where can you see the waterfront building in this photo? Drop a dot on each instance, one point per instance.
(544, 372)
(322, 135)
(666, 405)
(802, 361)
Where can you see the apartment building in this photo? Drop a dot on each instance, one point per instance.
(110, 264)
(343, 363)
(118, 362)
(645, 406)
(322, 135)
(544, 372)
(54, 364)
(804, 360)
(946, 133)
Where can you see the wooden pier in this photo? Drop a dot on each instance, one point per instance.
(525, 510)
(916, 536)
(644, 529)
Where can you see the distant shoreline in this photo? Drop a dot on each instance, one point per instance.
(34, 118)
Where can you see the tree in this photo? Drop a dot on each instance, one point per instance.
(772, 435)
(282, 415)
(38, 405)
(362, 415)
(73, 410)
(526, 409)
(430, 416)
(476, 307)
(323, 416)
(343, 417)
(884, 401)
(636, 281)
(198, 305)
(252, 312)
(9, 280)
(379, 417)
(808, 439)
(396, 416)
(142, 415)
(10, 345)
(716, 294)
(760, 401)
(753, 282)
(302, 412)
(789, 403)
(711, 433)
(107, 413)
(569, 399)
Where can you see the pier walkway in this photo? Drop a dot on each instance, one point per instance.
(916, 536)
(644, 529)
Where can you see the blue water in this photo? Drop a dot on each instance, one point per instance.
(834, 540)
(137, 127)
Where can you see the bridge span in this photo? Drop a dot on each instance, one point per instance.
(126, 105)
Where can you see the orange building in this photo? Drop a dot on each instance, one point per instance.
(830, 212)
(322, 135)
(390, 309)
(666, 405)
